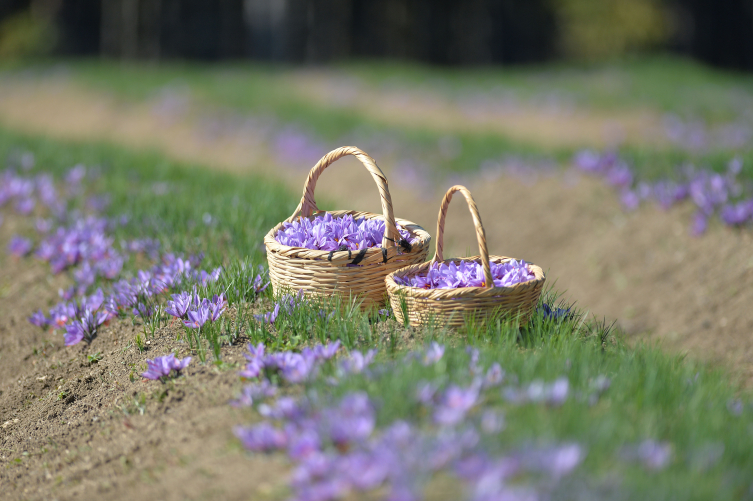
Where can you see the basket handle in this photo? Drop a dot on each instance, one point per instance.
(308, 203)
(480, 234)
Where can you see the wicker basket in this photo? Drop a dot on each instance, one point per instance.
(452, 307)
(349, 274)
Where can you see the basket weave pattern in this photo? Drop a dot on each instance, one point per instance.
(451, 307)
(349, 274)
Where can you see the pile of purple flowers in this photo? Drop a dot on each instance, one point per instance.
(329, 233)
(711, 192)
(195, 311)
(338, 450)
(161, 367)
(469, 274)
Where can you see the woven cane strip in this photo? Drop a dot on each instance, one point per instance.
(319, 272)
(452, 307)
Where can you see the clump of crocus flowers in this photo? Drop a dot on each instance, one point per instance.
(338, 449)
(162, 367)
(469, 274)
(341, 233)
(195, 311)
(711, 192)
(292, 367)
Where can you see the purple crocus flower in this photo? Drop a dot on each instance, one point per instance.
(261, 438)
(161, 367)
(737, 214)
(700, 223)
(558, 461)
(652, 454)
(74, 333)
(179, 305)
(197, 318)
(433, 354)
(537, 391)
(325, 352)
(25, 206)
(357, 361)
(630, 199)
(143, 310)
(353, 420)
(84, 327)
(217, 306)
(38, 319)
(454, 404)
(270, 317)
(253, 391)
(19, 246)
(259, 285)
(494, 375)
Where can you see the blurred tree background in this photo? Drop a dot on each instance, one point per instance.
(719, 32)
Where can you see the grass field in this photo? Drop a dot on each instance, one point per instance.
(648, 98)
(698, 425)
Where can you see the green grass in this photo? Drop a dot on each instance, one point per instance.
(168, 200)
(653, 394)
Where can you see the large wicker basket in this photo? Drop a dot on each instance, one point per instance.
(453, 307)
(349, 274)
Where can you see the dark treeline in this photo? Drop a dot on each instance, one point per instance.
(719, 32)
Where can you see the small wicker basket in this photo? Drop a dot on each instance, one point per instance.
(349, 274)
(452, 307)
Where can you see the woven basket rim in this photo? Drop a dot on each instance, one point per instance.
(393, 287)
(414, 229)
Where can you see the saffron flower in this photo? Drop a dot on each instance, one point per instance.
(180, 303)
(454, 403)
(269, 317)
(357, 362)
(84, 328)
(38, 319)
(198, 317)
(263, 437)
(258, 284)
(161, 367)
(19, 246)
(433, 354)
(216, 306)
(554, 394)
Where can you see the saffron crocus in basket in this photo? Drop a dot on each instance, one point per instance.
(330, 233)
(469, 274)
